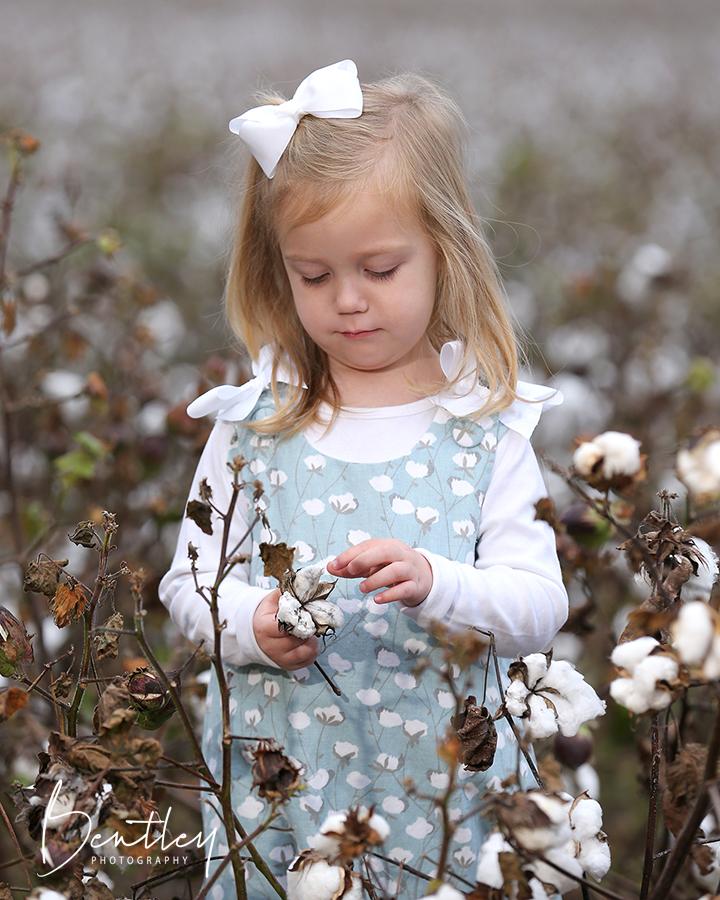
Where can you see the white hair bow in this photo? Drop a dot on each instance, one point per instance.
(329, 93)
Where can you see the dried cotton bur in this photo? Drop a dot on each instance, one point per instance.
(303, 608)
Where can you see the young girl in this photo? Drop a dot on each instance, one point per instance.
(387, 425)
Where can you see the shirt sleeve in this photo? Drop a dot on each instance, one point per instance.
(237, 600)
(515, 588)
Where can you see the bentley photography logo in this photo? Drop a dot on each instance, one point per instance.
(154, 846)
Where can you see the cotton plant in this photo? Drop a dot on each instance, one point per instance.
(610, 460)
(648, 675)
(324, 871)
(550, 696)
(562, 840)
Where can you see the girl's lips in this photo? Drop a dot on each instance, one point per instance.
(355, 335)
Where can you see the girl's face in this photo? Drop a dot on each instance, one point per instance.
(363, 279)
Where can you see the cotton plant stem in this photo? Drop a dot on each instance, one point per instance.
(518, 737)
(692, 823)
(20, 858)
(81, 685)
(167, 684)
(652, 811)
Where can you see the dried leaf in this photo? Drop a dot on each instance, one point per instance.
(68, 603)
(477, 735)
(205, 491)
(278, 559)
(5, 892)
(61, 687)
(43, 575)
(647, 619)
(84, 535)
(201, 514)
(684, 777)
(15, 646)
(11, 700)
(112, 717)
(106, 643)
(94, 889)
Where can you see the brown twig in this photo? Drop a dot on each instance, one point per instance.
(652, 811)
(21, 858)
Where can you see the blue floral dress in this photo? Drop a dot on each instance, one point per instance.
(382, 734)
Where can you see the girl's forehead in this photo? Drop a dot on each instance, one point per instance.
(311, 204)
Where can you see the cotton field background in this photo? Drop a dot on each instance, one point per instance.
(594, 145)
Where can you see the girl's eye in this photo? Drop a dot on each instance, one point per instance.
(383, 276)
(313, 281)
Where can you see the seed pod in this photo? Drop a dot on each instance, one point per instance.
(149, 698)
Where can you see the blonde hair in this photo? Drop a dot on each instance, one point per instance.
(407, 144)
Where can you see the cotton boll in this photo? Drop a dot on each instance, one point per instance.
(621, 453)
(325, 614)
(555, 834)
(445, 892)
(652, 669)
(627, 693)
(488, 869)
(317, 880)
(587, 780)
(698, 466)
(699, 587)
(516, 698)
(585, 818)
(549, 875)
(628, 654)
(542, 722)
(307, 580)
(538, 891)
(586, 457)
(594, 857)
(578, 703)
(692, 632)
(537, 666)
(297, 621)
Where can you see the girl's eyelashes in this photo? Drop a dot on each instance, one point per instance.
(378, 276)
(383, 276)
(313, 281)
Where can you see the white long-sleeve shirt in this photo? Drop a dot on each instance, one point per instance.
(514, 588)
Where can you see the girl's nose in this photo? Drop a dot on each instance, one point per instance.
(349, 297)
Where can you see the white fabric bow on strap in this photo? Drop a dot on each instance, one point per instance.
(234, 404)
(468, 396)
(329, 93)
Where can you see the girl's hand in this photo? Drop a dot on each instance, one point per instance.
(386, 564)
(286, 651)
